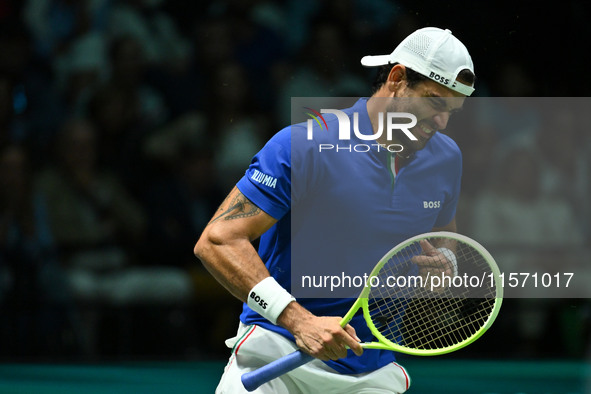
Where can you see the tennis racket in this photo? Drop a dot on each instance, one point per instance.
(419, 300)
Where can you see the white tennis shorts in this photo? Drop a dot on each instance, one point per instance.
(254, 347)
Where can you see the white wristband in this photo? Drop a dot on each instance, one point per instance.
(449, 255)
(268, 298)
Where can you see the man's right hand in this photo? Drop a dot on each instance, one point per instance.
(321, 337)
(225, 249)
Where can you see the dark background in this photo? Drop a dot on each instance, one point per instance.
(124, 124)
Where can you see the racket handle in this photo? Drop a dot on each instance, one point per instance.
(252, 380)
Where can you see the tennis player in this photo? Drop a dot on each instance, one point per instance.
(386, 198)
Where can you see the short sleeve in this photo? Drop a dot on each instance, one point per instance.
(267, 181)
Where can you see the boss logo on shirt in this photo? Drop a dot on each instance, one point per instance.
(258, 300)
(264, 179)
(431, 204)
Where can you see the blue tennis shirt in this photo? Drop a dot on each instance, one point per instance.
(339, 211)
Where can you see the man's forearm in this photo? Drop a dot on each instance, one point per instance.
(235, 265)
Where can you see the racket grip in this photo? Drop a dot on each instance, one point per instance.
(252, 380)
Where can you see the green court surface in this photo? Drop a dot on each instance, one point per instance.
(428, 376)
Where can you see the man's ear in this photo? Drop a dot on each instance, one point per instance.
(396, 78)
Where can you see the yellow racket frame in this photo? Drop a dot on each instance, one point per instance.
(383, 343)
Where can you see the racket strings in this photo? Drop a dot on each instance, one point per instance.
(431, 324)
(452, 330)
(416, 314)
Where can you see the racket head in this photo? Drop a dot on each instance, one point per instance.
(415, 319)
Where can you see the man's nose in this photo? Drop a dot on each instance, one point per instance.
(441, 120)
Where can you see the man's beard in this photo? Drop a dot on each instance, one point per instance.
(408, 146)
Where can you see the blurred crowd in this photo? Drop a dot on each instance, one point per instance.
(123, 124)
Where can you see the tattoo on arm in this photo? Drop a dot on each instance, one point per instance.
(239, 207)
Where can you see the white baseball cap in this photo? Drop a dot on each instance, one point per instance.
(432, 52)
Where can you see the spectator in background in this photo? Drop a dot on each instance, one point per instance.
(32, 101)
(514, 210)
(364, 18)
(99, 227)
(515, 119)
(34, 296)
(68, 37)
(187, 89)
(14, 126)
(479, 148)
(214, 43)
(90, 210)
(125, 109)
(79, 71)
(180, 203)
(322, 70)
(115, 114)
(160, 40)
(258, 44)
(184, 192)
(526, 229)
(239, 127)
(12, 129)
(128, 73)
(55, 24)
(566, 167)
